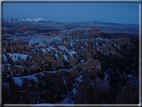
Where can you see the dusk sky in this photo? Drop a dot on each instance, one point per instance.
(75, 12)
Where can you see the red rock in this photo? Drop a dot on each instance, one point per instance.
(58, 33)
(72, 63)
(15, 46)
(112, 48)
(105, 50)
(24, 28)
(125, 40)
(88, 55)
(91, 65)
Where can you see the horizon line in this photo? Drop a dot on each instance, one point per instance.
(72, 22)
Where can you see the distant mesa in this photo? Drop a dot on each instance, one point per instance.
(31, 19)
(24, 19)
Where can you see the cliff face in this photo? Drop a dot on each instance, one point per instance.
(15, 46)
(80, 65)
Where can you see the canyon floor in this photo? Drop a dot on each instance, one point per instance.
(77, 65)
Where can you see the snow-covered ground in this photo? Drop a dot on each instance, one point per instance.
(64, 46)
(15, 56)
(19, 80)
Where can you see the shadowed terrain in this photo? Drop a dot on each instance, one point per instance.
(70, 63)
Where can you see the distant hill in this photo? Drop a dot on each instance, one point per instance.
(42, 24)
(24, 19)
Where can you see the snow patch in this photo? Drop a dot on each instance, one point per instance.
(65, 57)
(56, 71)
(75, 85)
(19, 66)
(44, 51)
(55, 96)
(4, 58)
(74, 91)
(15, 56)
(19, 80)
(5, 83)
(66, 50)
(107, 75)
(64, 81)
(66, 101)
(79, 78)
(56, 55)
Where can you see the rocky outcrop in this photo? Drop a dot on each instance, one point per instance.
(16, 69)
(93, 65)
(84, 31)
(6, 70)
(15, 47)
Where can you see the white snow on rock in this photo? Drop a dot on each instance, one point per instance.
(71, 44)
(56, 55)
(64, 81)
(66, 50)
(72, 53)
(55, 96)
(51, 47)
(83, 48)
(74, 91)
(56, 71)
(4, 58)
(44, 51)
(63, 48)
(97, 48)
(5, 83)
(129, 75)
(2, 67)
(15, 56)
(67, 101)
(32, 19)
(107, 75)
(102, 39)
(63, 95)
(79, 78)
(41, 44)
(82, 61)
(65, 57)
(9, 69)
(33, 41)
(76, 85)
(19, 80)
(19, 66)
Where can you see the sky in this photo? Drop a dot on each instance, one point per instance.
(127, 13)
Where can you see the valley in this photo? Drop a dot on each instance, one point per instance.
(69, 63)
